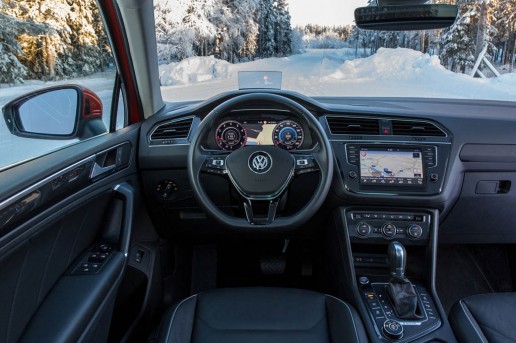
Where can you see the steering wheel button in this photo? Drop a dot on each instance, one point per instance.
(302, 162)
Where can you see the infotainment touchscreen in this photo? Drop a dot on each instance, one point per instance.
(391, 167)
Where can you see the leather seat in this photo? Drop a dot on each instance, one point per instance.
(485, 318)
(261, 315)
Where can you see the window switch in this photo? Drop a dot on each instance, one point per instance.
(84, 268)
(97, 258)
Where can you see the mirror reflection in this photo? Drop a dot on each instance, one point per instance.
(50, 113)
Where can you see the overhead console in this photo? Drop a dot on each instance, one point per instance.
(390, 156)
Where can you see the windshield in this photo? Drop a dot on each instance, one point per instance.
(204, 44)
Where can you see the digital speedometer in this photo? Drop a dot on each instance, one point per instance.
(230, 135)
(288, 135)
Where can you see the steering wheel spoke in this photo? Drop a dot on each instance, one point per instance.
(268, 218)
(215, 164)
(306, 163)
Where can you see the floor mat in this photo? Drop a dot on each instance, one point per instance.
(463, 271)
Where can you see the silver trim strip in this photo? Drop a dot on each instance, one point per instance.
(9, 201)
(466, 314)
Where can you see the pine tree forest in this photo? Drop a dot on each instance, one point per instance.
(51, 40)
(59, 39)
(480, 23)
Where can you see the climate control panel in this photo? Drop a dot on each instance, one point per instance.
(412, 228)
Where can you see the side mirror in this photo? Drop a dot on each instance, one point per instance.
(61, 112)
(405, 15)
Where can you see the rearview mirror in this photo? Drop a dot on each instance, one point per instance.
(61, 112)
(405, 17)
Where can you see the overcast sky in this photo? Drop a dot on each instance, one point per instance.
(323, 12)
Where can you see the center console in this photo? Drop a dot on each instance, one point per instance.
(389, 258)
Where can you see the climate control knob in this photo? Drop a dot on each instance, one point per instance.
(414, 231)
(363, 229)
(389, 230)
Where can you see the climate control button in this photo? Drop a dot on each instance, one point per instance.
(414, 231)
(363, 229)
(389, 230)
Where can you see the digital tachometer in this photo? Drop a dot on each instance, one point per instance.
(230, 135)
(288, 135)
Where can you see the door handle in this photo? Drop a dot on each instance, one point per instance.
(105, 163)
(99, 170)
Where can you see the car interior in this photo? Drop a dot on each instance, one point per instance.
(175, 228)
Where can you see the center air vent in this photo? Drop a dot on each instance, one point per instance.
(353, 126)
(415, 128)
(175, 129)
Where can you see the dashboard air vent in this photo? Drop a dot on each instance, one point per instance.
(415, 128)
(353, 126)
(173, 130)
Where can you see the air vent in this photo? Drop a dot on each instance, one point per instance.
(415, 128)
(353, 126)
(173, 130)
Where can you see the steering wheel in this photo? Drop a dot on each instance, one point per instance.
(259, 172)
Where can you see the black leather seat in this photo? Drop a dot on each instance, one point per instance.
(261, 315)
(485, 318)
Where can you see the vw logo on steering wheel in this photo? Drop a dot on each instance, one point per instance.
(260, 162)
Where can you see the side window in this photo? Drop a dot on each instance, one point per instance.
(57, 77)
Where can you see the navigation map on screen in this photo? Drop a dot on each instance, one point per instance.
(259, 132)
(391, 167)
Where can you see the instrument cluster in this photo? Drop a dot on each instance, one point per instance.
(232, 134)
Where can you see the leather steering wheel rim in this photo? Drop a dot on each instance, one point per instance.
(324, 157)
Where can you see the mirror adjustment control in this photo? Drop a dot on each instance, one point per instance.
(414, 231)
(363, 229)
(389, 230)
(392, 329)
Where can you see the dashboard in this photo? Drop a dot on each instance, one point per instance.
(455, 156)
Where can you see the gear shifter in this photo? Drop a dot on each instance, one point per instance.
(400, 289)
(397, 260)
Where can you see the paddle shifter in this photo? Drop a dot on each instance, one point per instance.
(400, 289)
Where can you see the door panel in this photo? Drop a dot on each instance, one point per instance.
(43, 292)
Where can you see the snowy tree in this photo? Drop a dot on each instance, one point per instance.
(458, 45)
(11, 69)
(459, 42)
(66, 37)
(297, 45)
(175, 42)
(268, 19)
(283, 37)
(505, 23)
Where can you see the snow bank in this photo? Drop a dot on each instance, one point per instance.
(400, 64)
(405, 72)
(194, 70)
